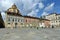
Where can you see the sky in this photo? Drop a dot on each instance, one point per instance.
(35, 8)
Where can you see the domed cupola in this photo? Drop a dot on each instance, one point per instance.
(13, 9)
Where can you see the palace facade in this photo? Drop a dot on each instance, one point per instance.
(54, 19)
(14, 19)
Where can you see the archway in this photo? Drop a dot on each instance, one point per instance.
(2, 25)
(1, 22)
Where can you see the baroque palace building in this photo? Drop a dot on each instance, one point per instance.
(54, 19)
(15, 19)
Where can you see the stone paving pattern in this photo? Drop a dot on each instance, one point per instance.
(30, 34)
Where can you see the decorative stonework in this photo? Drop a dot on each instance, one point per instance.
(13, 9)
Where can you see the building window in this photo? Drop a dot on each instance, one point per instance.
(26, 20)
(8, 19)
(56, 21)
(8, 23)
(21, 20)
(18, 20)
(59, 17)
(56, 17)
(59, 21)
(21, 23)
(13, 20)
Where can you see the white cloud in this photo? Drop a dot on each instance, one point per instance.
(33, 13)
(47, 9)
(50, 7)
(41, 5)
(28, 6)
(5, 4)
(44, 13)
(34, 5)
(37, 1)
(37, 10)
(31, 4)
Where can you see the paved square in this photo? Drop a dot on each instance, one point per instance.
(30, 34)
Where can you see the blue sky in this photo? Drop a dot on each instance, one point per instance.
(35, 8)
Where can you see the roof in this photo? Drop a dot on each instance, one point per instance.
(14, 14)
(17, 14)
(52, 14)
(44, 20)
(31, 17)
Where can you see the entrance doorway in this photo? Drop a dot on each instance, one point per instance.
(15, 25)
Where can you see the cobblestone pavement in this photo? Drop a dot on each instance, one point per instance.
(30, 34)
